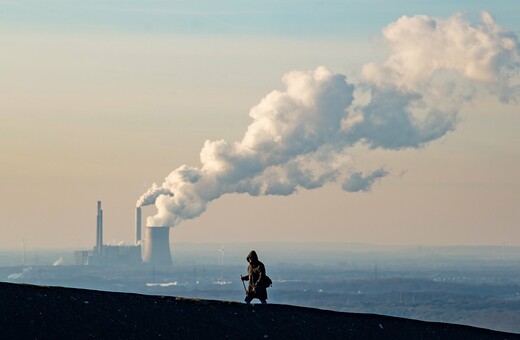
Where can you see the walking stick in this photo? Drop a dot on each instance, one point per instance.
(243, 284)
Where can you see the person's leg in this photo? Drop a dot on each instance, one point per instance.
(248, 299)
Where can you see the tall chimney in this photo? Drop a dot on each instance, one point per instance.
(99, 231)
(157, 246)
(137, 225)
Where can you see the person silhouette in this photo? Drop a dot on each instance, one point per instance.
(256, 276)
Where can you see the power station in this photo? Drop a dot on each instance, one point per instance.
(154, 249)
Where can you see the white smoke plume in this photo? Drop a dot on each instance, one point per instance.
(299, 137)
(151, 195)
(429, 55)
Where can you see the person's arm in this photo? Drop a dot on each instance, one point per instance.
(247, 277)
(261, 274)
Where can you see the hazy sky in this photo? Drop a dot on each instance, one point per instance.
(101, 99)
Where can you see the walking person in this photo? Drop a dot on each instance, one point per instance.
(258, 280)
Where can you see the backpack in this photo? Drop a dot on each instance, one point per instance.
(267, 282)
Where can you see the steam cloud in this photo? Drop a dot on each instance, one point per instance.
(300, 136)
(151, 195)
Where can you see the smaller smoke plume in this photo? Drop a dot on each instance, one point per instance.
(151, 195)
(16, 276)
(59, 262)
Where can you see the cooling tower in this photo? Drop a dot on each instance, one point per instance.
(157, 246)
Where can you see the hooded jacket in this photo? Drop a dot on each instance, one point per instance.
(255, 276)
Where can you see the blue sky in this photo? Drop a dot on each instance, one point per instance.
(272, 18)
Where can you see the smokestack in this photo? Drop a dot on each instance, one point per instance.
(99, 231)
(157, 246)
(137, 225)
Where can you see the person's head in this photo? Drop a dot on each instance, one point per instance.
(252, 257)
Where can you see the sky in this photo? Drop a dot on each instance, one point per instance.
(334, 121)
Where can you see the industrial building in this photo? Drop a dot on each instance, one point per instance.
(156, 246)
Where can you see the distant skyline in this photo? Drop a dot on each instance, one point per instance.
(102, 99)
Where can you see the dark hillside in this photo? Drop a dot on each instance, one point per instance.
(34, 312)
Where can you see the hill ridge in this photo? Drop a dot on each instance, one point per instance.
(43, 312)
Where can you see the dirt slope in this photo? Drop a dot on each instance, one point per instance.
(34, 312)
